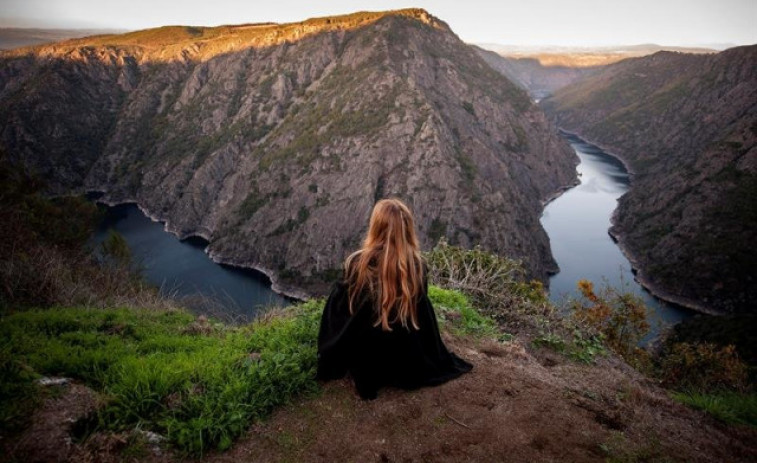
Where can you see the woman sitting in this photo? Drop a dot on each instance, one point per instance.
(378, 323)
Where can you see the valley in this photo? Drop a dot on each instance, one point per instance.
(262, 138)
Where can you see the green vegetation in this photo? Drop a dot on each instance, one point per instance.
(468, 106)
(619, 318)
(43, 256)
(290, 223)
(437, 230)
(494, 284)
(331, 117)
(252, 203)
(454, 310)
(199, 383)
(702, 367)
(730, 407)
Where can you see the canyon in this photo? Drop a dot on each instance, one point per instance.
(272, 141)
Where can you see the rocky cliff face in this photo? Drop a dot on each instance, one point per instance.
(687, 126)
(274, 141)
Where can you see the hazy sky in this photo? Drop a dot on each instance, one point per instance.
(522, 22)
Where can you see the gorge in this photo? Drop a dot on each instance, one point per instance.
(686, 125)
(577, 223)
(262, 138)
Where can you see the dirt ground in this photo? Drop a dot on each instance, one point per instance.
(515, 406)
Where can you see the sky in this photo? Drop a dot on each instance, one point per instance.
(522, 22)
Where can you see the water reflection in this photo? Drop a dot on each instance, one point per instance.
(577, 223)
(183, 270)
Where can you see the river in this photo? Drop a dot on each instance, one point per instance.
(182, 270)
(577, 223)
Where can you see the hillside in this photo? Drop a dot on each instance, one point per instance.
(13, 37)
(543, 70)
(97, 366)
(686, 125)
(521, 402)
(263, 138)
(538, 79)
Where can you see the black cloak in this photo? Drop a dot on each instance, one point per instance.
(404, 357)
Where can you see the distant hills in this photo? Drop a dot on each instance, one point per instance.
(11, 37)
(543, 70)
(273, 141)
(687, 126)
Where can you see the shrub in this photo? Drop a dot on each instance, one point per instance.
(619, 317)
(492, 282)
(44, 260)
(702, 367)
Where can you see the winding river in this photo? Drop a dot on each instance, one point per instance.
(577, 223)
(182, 270)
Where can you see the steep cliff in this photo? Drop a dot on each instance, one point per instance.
(687, 127)
(273, 141)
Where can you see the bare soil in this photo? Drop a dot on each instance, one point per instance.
(516, 406)
(48, 436)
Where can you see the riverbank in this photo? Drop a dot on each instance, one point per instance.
(637, 269)
(290, 292)
(650, 286)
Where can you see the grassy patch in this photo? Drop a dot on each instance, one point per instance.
(455, 311)
(199, 390)
(731, 407)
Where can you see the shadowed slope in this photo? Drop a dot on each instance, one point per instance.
(265, 150)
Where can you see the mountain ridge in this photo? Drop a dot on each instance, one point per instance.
(196, 42)
(687, 126)
(264, 151)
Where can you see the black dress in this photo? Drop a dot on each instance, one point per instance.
(404, 357)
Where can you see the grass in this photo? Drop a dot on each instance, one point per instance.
(158, 372)
(199, 383)
(454, 310)
(730, 407)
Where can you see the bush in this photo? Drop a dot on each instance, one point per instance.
(702, 367)
(620, 318)
(494, 284)
(44, 260)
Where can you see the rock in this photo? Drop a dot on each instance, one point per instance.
(274, 142)
(687, 127)
(53, 381)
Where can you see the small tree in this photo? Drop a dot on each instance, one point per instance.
(620, 317)
(116, 249)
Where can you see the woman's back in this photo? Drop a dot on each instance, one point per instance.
(378, 322)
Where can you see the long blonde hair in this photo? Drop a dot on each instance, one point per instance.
(389, 265)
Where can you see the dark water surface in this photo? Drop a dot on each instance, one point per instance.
(577, 223)
(183, 270)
